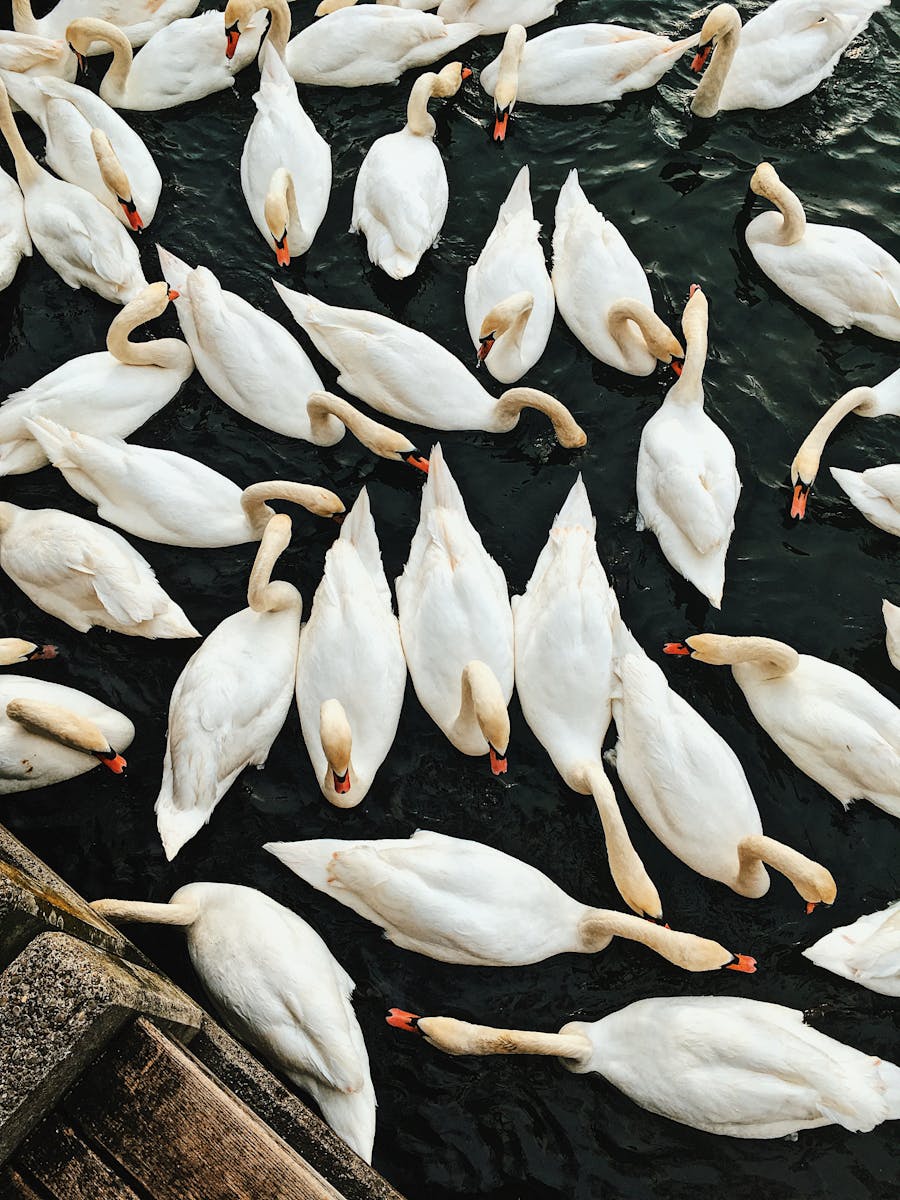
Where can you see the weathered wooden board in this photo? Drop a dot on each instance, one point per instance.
(67, 1168)
(14, 1187)
(157, 1111)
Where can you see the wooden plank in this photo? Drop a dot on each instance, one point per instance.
(14, 1187)
(178, 1133)
(67, 1168)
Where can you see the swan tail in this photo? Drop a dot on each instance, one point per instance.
(576, 510)
(518, 200)
(310, 859)
(306, 310)
(453, 35)
(440, 489)
(890, 1078)
(175, 272)
(58, 443)
(359, 531)
(351, 1115)
(571, 198)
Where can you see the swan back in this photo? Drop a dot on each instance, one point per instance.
(866, 952)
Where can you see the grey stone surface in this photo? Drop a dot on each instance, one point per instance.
(61, 1001)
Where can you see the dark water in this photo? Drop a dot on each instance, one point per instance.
(677, 188)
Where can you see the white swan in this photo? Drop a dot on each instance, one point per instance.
(837, 273)
(31, 54)
(357, 47)
(687, 482)
(351, 673)
(138, 19)
(875, 492)
(456, 623)
(565, 627)
(17, 650)
(602, 291)
(576, 64)
(463, 902)
(880, 401)
(255, 367)
(112, 391)
(496, 16)
(127, 182)
(85, 574)
(401, 194)
(723, 1064)
(891, 614)
(15, 243)
(231, 699)
(182, 62)
(866, 952)
(384, 363)
(285, 164)
(163, 496)
(77, 236)
(830, 723)
(509, 296)
(278, 988)
(49, 733)
(689, 787)
(783, 52)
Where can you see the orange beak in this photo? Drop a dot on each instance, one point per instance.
(282, 253)
(486, 344)
(112, 761)
(677, 367)
(466, 72)
(232, 35)
(811, 906)
(131, 212)
(676, 648)
(743, 962)
(173, 295)
(501, 122)
(700, 58)
(499, 762)
(695, 287)
(341, 782)
(417, 460)
(43, 652)
(408, 1022)
(798, 504)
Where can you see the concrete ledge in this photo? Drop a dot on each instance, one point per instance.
(61, 1002)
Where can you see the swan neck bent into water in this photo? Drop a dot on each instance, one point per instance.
(765, 182)
(166, 352)
(482, 702)
(654, 335)
(814, 882)
(460, 1037)
(179, 913)
(686, 950)
(508, 408)
(262, 594)
(85, 30)
(806, 461)
(773, 659)
(317, 500)
(723, 26)
(27, 168)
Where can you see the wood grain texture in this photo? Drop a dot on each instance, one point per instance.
(14, 1187)
(154, 1108)
(67, 1168)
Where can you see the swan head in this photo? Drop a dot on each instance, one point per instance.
(705, 647)
(450, 79)
(337, 742)
(501, 319)
(84, 31)
(765, 180)
(113, 175)
(236, 12)
(67, 728)
(277, 211)
(15, 650)
(507, 85)
(721, 20)
(490, 711)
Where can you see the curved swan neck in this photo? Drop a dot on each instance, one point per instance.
(694, 326)
(23, 16)
(85, 30)
(179, 913)
(336, 737)
(765, 182)
(656, 336)
(262, 594)
(328, 414)
(806, 462)
(773, 658)
(418, 119)
(280, 24)
(314, 499)
(482, 701)
(685, 950)
(459, 1037)
(724, 25)
(151, 303)
(568, 432)
(27, 170)
(813, 881)
(61, 725)
(507, 85)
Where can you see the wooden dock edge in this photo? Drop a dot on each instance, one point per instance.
(73, 992)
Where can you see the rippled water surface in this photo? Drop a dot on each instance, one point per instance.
(677, 188)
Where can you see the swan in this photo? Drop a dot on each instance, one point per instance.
(722, 1064)
(329, 6)
(231, 699)
(456, 623)
(602, 291)
(79, 238)
(866, 952)
(384, 363)
(509, 296)
(576, 64)
(255, 367)
(90, 145)
(565, 625)
(15, 243)
(460, 901)
(782, 53)
(30, 54)
(875, 492)
(163, 496)
(49, 733)
(830, 723)
(879, 401)
(891, 614)
(837, 273)
(357, 47)
(182, 62)
(138, 19)
(401, 193)
(351, 673)
(17, 650)
(285, 164)
(687, 481)
(689, 787)
(496, 16)
(112, 391)
(85, 574)
(278, 988)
